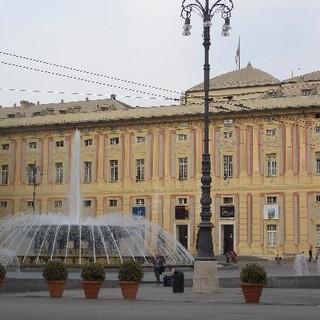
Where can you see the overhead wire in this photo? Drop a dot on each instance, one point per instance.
(88, 72)
(154, 95)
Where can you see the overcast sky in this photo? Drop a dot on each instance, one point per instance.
(141, 41)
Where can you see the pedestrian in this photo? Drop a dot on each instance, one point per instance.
(278, 260)
(232, 256)
(310, 254)
(158, 268)
(167, 278)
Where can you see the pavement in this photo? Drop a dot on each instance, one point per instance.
(157, 302)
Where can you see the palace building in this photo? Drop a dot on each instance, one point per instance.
(265, 161)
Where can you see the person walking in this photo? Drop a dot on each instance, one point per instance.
(310, 254)
(158, 268)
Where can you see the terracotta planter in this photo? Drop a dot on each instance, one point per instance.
(129, 289)
(1, 284)
(91, 289)
(252, 292)
(56, 288)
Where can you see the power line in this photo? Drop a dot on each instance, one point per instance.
(155, 96)
(79, 93)
(88, 72)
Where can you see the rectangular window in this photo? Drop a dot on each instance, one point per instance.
(227, 200)
(318, 198)
(139, 202)
(271, 133)
(271, 199)
(227, 134)
(141, 139)
(87, 203)
(4, 174)
(228, 122)
(57, 204)
(31, 171)
(113, 203)
(114, 140)
(318, 235)
(30, 204)
(87, 172)
(5, 146)
(60, 144)
(88, 142)
(181, 213)
(183, 168)
(306, 92)
(114, 170)
(114, 128)
(183, 200)
(317, 130)
(32, 145)
(182, 137)
(271, 165)
(317, 162)
(59, 172)
(3, 204)
(227, 167)
(272, 235)
(140, 174)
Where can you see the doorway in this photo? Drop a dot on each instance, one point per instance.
(228, 236)
(182, 234)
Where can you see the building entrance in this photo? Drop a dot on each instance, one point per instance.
(182, 235)
(228, 236)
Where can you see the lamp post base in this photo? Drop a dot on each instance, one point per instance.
(205, 277)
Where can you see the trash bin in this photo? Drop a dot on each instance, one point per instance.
(178, 282)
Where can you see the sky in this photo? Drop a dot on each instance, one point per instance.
(135, 48)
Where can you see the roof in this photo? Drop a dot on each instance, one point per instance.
(243, 77)
(174, 111)
(29, 109)
(312, 76)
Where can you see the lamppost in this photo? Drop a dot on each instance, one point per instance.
(206, 12)
(33, 171)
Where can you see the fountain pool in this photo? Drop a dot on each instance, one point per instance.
(29, 239)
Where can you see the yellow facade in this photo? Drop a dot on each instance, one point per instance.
(265, 162)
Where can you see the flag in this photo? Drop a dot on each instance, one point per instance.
(237, 57)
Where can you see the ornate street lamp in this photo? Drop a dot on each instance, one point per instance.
(33, 171)
(206, 12)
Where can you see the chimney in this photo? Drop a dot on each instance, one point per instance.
(113, 97)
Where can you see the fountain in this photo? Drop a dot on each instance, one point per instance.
(36, 238)
(300, 265)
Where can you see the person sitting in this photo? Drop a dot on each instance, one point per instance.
(233, 256)
(167, 278)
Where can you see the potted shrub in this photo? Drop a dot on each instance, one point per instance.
(253, 278)
(3, 273)
(92, 275)
(56, 274)
(130, 276)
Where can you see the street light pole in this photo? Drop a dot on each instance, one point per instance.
(33, 171)
(204, 237)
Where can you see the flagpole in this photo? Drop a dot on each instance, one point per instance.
(239, 64)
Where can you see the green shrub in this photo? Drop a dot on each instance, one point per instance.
(130, 270)
(93, 272)
(55, 270)
(3, 272)
(253, 273)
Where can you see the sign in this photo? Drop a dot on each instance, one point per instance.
(139, 211)
(271, 211)
(227, 211)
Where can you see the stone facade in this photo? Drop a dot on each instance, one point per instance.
(264, 142)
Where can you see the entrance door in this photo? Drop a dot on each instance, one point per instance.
(182, 235)
(227, 238)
